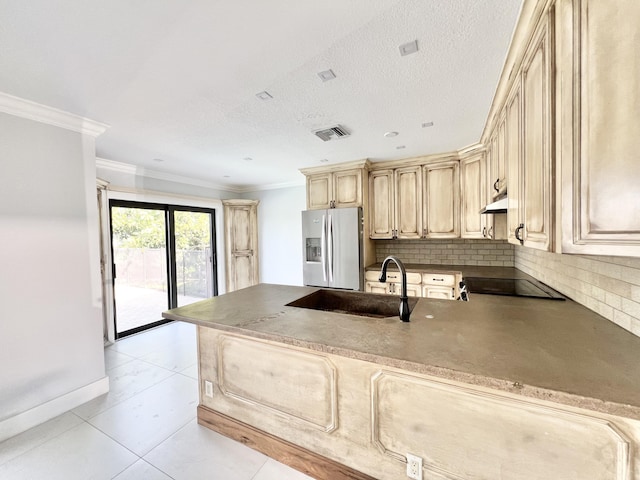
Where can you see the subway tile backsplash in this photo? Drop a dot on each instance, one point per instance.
(607, 285)
(496, 253)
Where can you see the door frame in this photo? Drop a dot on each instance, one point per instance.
(115, 193)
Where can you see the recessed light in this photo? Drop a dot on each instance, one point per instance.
(391, 134)
(226, 176)
(158, 160)
(427, 124)
(400, 147)
(327, 75)
(264, 95)
(324, 160)
(408, 48)
(247, 159)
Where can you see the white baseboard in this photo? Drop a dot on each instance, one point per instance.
(24, 421)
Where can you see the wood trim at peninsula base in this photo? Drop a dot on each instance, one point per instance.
(303, 460)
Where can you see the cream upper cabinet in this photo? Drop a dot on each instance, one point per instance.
(381, 204)
(532, 214)
(415, 201)
(335, 189)
(441, 206)
(241, 243)
(339, 186)
(473, 188)
(395, 206)
(497, 161)
(408, 202)
(319, 190)
(514, 156)
(599, 134)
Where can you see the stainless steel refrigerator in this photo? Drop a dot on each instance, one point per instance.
(332, 248)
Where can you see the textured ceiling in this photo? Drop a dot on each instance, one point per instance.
(177, 80)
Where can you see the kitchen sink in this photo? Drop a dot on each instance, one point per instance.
(353, 303)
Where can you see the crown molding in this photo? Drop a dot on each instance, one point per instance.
(158, 175)
(49, 115)
(196, 182)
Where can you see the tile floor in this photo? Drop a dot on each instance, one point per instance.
(143, 429)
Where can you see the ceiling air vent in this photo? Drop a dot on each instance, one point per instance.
(332, 133)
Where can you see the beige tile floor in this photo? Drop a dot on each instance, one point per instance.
(144, 428)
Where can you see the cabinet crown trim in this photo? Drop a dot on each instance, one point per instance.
(366, 164)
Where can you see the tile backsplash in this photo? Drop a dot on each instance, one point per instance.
(607, 285)
(496, 253)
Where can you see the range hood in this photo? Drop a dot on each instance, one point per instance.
(499, 206)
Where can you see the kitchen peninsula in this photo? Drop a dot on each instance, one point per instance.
(499, 387)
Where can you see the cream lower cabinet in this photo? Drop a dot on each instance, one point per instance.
(370, 416)
(428, 285)
(241, 243)
(393, 285)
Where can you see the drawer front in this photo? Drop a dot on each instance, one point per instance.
(439, 279)
(372, 276)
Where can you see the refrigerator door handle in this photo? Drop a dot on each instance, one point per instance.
(323, 249)
(330, 249)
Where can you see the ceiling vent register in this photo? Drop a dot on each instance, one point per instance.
(332, 133)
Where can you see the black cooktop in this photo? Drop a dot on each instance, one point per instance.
(515, 287)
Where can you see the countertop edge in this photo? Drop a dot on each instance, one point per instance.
(443, 373)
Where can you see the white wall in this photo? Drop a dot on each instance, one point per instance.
(51, 346)
(280, 234)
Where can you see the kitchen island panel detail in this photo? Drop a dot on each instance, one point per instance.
(298, 385)
(501, 437)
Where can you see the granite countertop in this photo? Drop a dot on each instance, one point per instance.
(552, 350)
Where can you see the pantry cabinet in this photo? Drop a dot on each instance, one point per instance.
(241, 243)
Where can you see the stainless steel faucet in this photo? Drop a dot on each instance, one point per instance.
(404, 299)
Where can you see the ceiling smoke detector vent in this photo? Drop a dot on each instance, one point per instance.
(332, 133)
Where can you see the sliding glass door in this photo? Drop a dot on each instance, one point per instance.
(163, 257)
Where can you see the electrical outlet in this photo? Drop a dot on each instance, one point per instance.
(414, 467)
(208, 388)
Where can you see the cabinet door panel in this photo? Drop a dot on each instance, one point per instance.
(605, 213)
(348, 188)
(537, 142)
(472, 188)
(513, 153)
(319, 191)
(442, 200)
(443, 293)
(377, 287)
(409, 202)
(381, 204)
(241, 238)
